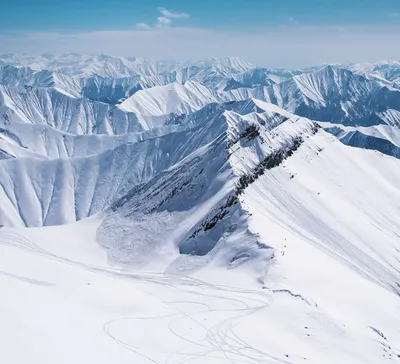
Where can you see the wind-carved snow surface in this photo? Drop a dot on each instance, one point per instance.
(207, 212)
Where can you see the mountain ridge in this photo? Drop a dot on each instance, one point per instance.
(206, 211)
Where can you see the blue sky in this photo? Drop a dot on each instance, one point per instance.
(285, 33)
(77, 15)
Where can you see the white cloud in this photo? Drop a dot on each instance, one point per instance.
(142, 26)
(279, 47)
(395, 15)
(163, 22)
(173, 14)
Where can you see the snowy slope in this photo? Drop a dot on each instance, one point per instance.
(388, 71)
(330, 94)
(382, 138)
(27, 78)
(204, 212)
(321, 300)
(74, 64)
(174, 98)
(87, 65)
(197, 199)
(80, 116)
(53, 187)
(37, 192)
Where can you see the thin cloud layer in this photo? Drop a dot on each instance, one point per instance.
(173, 14)
(165, 20)
(279, 47)
(162, 22)
(143, 26)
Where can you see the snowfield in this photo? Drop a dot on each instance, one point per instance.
(214, 212)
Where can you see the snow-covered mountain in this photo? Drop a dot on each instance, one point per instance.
(73, 64)
(388, 71)
(207, 211)
(331, 94)
(173, 98)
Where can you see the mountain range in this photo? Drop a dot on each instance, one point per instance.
(247, 214)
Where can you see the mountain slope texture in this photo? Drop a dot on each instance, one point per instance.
(204, 212)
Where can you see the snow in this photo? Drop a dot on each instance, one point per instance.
(173, 98)
(314, 305)
(383, 138)
(205, 212)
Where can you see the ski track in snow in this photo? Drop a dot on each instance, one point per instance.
(197, 320)
(220, 340)
(206, 212)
